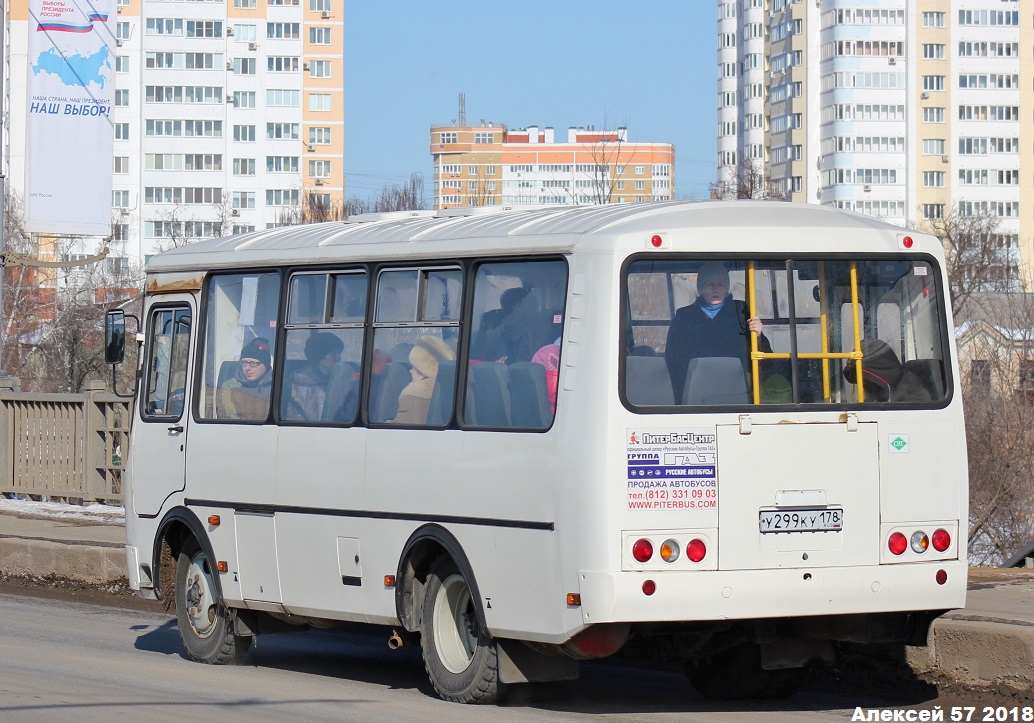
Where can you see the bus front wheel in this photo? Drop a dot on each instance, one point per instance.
(461, 659)
(204, 622)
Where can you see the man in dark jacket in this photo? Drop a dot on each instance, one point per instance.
(715, 325)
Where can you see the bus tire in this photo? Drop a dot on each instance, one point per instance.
(204, 622)
(461, 659)
(736, 674)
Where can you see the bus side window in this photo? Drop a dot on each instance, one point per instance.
(513, 370)
(416, 324)
(166, 365)
(240, 338)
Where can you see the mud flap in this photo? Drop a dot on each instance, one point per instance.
(520, 664)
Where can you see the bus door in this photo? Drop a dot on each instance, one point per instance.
(160, 438)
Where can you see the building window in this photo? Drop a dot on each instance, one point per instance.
(319, 101)
(282, 197)
(244, 99)
(933, 82)
(282, 64)
(244, 4)
(282, 131)
(243, 199)
(484, 138)
(319, 6)
(933, 20)
(933, 115)
(122, 30)
(449, 137)
(244, 66)
(121, 131)
(281, 164)
(276, 98)
(204, 28)
(244, 134)
(319, 136)
(933, 179)
(933, 210)
(639, 170)
(121, 63)
(319, 69)
(244, 166)
(121, 164)
(319, 36)
(933, 146)
(319, 169)
(245, 33)
(122, 97)
(120, 199)
(640, 185)
(933, 51)
(283, 31)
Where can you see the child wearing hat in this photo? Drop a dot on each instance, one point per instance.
(415, 399)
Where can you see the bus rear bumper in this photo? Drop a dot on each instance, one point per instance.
(608, 597)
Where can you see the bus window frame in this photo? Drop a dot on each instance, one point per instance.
(626, 329)
(200, 345)
(153, 311)
(280, 352)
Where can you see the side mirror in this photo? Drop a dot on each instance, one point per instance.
(114, 336)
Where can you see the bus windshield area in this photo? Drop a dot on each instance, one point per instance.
(706, 332)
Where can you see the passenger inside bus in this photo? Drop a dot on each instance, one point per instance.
(886, 379)
(308, 385)
(246, 394)
(424, 359)
(714, 327)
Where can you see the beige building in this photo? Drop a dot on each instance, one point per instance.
(907, 111)
(492, 165)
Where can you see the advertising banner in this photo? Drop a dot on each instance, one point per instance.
(70, 135)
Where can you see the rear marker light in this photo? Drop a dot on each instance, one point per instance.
(941, 577)
(221, 566)
(574, 599)
(941, 540)
(670, 550)
(907, 242)
(696, 550)
(897, 543)
(920, 541)
(642, 550)
(389, 581)
(649, 587)
(214, 520)
(656, 241)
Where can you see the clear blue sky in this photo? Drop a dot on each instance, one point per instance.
(648, 65)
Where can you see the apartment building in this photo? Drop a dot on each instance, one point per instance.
(904, 110)
(492, 165)
(229, 117)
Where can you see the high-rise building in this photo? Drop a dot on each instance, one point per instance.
(229, 116)
(491, 165)
(904, 110)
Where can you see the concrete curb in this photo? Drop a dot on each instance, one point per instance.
(79, 562)
(978, 652)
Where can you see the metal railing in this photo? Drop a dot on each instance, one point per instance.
(67, 446)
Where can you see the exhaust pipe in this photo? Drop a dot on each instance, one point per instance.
(395, 641)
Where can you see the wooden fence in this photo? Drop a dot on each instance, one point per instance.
(66, 446)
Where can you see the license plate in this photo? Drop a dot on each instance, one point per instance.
(829, 519)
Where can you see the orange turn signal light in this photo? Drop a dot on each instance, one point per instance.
(389, 581)
(214, 520)
(574, 599)
(222, 566)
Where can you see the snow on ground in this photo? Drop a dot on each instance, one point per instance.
(96, 514)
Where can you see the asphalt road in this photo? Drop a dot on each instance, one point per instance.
(63, 659)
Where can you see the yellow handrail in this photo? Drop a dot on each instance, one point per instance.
(755, 374)
(823, 326)
(857, 333)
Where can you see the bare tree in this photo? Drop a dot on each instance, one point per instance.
(997, 358)
(974, 253)
(750, 181)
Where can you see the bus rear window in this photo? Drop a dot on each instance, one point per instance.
(716, 332)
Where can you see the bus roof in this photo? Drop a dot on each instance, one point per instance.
(496, 230)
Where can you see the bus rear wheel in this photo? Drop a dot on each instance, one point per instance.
(204, 622)
(461, 660)
(736, 674)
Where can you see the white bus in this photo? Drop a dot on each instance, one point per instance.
(525, 437)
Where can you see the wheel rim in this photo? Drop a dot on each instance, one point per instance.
(455, 624)
(198, 596)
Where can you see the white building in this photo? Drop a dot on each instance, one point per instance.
(229, 116)
(905, 110)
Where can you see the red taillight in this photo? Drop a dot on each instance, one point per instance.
(941, 540)
(907, 242)
(656, 241)
(941, 577)
(642, 550)
(696, 550)
(649, 587)
(897, 543)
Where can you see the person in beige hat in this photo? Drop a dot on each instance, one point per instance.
(415, 399)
